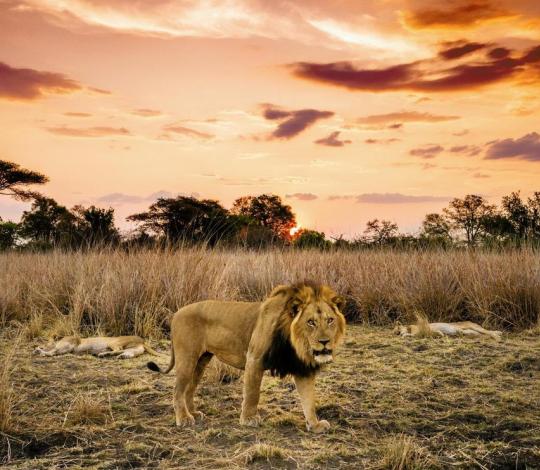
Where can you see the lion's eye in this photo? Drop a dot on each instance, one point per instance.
(330, 321)
(311, 323)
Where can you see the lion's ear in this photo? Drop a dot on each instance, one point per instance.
(295, 306)
(279, 290)
(339, 301)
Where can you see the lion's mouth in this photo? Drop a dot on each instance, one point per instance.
(323, 356)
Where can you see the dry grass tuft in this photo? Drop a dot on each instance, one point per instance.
(86, 408)
(263, 452)
(218, 372)
(7, 395)
(403, 453)
(422, 322)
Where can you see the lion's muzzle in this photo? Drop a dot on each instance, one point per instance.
(323, 356)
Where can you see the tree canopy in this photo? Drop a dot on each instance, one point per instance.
(268, 211)
(14, 180)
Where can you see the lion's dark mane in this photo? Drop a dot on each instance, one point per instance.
(281, 359)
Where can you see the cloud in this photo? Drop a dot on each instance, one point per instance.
(144, 112)
(460, 49)
(188, 132)
(123, 198)
(430, 75)
(480, 175)
(469, 150)
(99, 91)
(98, 131)
(403, 116)
(524, 148)
(461, 133)
(77, 114)
(333, 140)
(335, 25)
(29, 84)
(460, 14)
(302, 196)
(389, 198)
(381, 141)
(427, 152)
(292, 122)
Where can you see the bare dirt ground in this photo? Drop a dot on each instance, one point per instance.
(392, 402)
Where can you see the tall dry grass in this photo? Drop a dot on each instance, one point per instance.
(116, 292)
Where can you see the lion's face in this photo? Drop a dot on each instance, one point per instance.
(316, 324)
(321, 324)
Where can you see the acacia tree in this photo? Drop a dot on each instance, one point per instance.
(469, 214)
(267, 210)
(14, 180)
(380, 232)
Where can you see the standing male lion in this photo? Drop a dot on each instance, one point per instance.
(294, 331)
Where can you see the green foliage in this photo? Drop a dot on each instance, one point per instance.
(187, 219)
(8, 234)
(468, 214)
(267, 210)
(305, 238)
(48, 224)
(380, 232)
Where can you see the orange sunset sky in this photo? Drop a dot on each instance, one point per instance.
(349, 109)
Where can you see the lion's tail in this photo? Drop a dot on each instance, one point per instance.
(153, 366)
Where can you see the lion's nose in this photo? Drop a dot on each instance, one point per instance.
(324, 342)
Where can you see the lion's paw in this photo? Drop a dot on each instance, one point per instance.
(319, 427)
(252, 421)
(185, 421)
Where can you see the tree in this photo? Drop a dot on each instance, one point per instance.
(8, 234)
(468, 214)
(268, 211)
(436, 230)
(380, 232)
(96, 225)
(533, 207)
(435, 226)
(305, 238)
(49, 224)
(14, 180)
(517, 214)
(186, 218)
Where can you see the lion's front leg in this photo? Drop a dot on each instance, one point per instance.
(306, 390)
(252, 386)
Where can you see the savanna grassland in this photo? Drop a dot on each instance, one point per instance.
(393, 402)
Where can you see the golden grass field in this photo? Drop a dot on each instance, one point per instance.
(396, 403)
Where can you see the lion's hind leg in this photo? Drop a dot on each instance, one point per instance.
(496, 335)
(132, 352)
(185, 370)
(203, 361)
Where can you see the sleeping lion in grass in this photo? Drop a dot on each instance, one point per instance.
(295, 331)
(124, 347)
(465, 328)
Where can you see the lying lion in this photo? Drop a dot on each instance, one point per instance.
(294, 332)
(124, 347)
(466, 328)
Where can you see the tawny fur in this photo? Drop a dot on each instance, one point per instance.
(124, 347)
(465, 328)
(304, 318)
